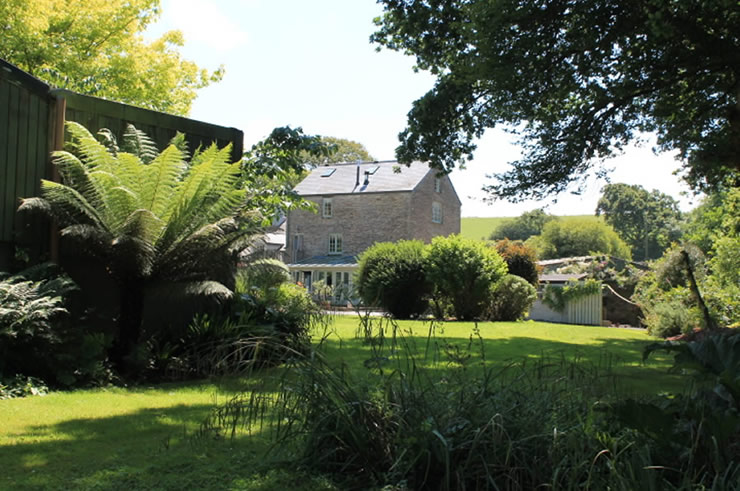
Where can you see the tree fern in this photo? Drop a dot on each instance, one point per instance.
(152, 218)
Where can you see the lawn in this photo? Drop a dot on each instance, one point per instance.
(139, 438)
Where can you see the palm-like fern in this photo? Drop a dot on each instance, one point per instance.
(152, 218)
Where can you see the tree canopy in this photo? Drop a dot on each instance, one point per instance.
(95, 47)
(647, 221)
(576, 80)
(340, 150)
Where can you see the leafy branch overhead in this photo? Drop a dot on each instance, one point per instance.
(575, 80)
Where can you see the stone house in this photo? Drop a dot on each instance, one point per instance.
(359, 204)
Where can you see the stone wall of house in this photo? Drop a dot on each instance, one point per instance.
(362, 219)
(422, 227)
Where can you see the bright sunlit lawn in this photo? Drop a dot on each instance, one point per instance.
(139, 438)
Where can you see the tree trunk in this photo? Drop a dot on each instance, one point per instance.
(708, 322)
(129, 325)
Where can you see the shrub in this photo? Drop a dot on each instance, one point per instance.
(22, 386)
(391, 276)
(511, 299)
(464, 271)
(579, 237)
(523, 227)
(520, 259)
(668, 318)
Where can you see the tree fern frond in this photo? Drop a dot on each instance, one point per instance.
(137, 143)
(76, 175)
(70, 205)
(92, 152)
(162, 177)
(179, 142)
(132, 172)
(88, 238)
(36, 205)
(122, 202)
(109, 141)
(143, 224)
(188, 289)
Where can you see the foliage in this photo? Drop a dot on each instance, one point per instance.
(170, 226)
(717, 216)
(22, 386)
(511, 299)
(558, 297)
(262, 274)
(647, 221)
(464, 272)
(274, 166)
(341, 150)
(708, 419)
(522, 227)
(520, 259)
(576, 81)
(40, 337)
(30, 300)
(578, 237)
(96, 48)
(392, 276)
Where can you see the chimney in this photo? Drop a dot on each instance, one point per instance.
(357, 182)
(367, 178)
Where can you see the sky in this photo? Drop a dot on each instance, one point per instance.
(310, 64)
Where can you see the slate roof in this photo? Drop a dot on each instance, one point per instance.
(325, 261)
(390, 176)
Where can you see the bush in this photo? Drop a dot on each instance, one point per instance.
(511, 299)
(579, 237)
(520, 259)
(523, 227)
(22, 386)
(391, 276)
(668, 318)
(464, 272)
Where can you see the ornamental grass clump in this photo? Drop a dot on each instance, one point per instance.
(445, 420)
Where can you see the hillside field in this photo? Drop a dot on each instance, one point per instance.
(479, 228)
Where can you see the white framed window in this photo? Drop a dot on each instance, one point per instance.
(327, 209)
(436, 212)
(335, 243)
(437, 185)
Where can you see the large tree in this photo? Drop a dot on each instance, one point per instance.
(340, 150)
(95, 47)
(647, 221)
(576, 80)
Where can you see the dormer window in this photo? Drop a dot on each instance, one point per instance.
(326, 208)
(437, 185)
(436, 212)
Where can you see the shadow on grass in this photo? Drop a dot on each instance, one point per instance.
(150, 448)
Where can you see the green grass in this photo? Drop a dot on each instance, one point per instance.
(479, 228)
(139, 438)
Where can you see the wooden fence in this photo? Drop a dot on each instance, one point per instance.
(32, 117)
